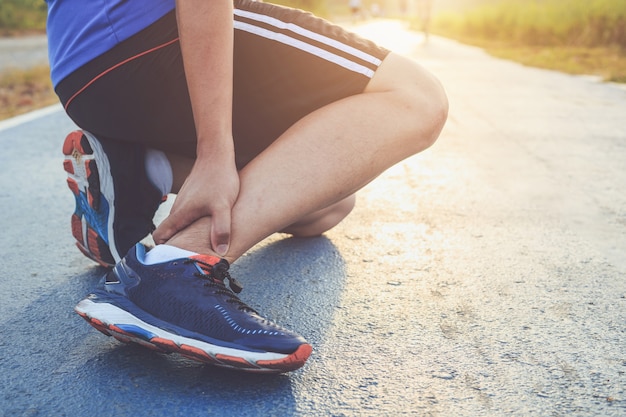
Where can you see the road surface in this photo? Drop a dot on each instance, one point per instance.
(484, 276)
(23, 52)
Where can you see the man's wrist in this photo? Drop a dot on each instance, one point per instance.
(222, 147)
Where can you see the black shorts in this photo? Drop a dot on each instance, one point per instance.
(287, 64)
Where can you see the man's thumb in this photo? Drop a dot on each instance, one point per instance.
(220, 233)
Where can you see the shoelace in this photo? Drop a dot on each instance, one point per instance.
(216, 275)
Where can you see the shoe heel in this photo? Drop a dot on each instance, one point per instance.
(97, 250)
(79, 163)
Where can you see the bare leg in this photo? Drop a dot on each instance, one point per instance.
(313, 224)
(318, 222)
(329, 155)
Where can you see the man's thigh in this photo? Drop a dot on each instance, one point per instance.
(287, 64)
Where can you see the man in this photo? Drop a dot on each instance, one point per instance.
(260, 118)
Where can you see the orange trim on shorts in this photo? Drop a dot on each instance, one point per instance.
(103, 73)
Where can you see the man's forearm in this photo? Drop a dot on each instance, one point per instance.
(206, 37)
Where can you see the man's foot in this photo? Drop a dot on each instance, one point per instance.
(115, 202)
(184, 306)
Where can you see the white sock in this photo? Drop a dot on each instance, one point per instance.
(164, 253)
(159, 170)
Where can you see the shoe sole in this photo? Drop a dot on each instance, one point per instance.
(90, 181)
(114, 321)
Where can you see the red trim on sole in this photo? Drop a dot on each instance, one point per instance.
(292, 362)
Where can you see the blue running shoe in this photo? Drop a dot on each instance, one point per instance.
(115, 201)
(184, 306)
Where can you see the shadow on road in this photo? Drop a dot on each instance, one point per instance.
(53, 354)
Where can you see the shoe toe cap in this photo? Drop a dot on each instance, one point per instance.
(280, 341)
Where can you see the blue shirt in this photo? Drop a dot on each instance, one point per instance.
(81, 30)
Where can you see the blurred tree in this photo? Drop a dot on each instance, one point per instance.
(22, 15)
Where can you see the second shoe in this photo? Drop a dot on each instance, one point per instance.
(115, 201)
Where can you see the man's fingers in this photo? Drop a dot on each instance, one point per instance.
(163, 232)
(174, 223)
(220, 231)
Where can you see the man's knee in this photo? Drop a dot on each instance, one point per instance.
(417, 96)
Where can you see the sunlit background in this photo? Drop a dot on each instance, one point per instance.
(585, 37)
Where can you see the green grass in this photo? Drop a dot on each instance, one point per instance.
(542, 22)
(608, 63)
(576, 36)
(25, 90)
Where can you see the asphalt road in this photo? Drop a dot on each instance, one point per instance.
(23, 52)
(484, 276)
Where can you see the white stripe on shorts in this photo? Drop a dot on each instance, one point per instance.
(324, 54)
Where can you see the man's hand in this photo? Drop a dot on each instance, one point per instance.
(210, 190)
(206, 41)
